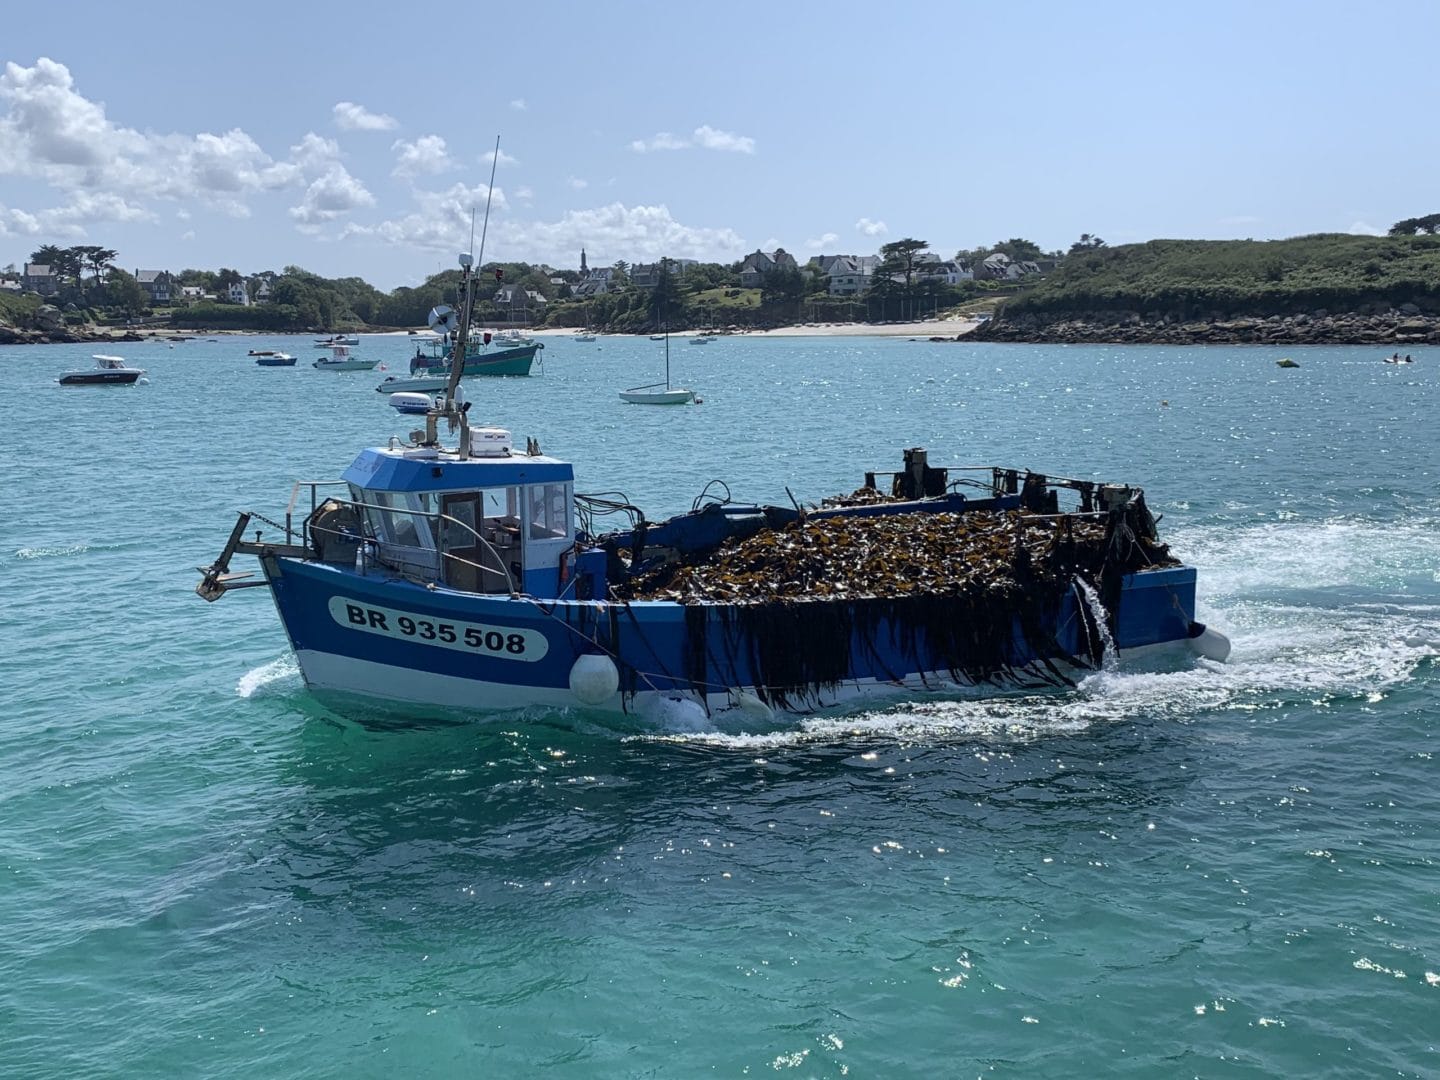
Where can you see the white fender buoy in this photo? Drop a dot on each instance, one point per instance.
(594, 678)
(1208, 643)
(749, 702)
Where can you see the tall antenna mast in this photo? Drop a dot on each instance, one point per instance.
(462, 340)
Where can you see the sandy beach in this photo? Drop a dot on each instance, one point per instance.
(931, 328)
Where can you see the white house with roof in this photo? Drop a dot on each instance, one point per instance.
(237, 293)
(849, 275)
(950, 271)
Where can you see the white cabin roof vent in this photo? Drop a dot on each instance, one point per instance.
(489, 442)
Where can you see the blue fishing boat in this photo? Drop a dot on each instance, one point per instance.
(467, 573)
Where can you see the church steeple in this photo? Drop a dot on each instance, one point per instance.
(583, 268)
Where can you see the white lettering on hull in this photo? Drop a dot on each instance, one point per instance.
(499, 642)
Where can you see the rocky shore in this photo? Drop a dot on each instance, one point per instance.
(69, 335)
(1405, 326)
(49, 327)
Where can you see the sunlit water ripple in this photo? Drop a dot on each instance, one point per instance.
(1217, 870)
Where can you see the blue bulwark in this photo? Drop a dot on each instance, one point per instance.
(390, 470)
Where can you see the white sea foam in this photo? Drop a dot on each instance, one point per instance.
(283, 669)
(1284, 648)
(51, 552)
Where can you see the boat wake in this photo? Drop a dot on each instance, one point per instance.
(57, 552)
(1335, 611)
(282, 673)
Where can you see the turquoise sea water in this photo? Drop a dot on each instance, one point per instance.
(1211, 871)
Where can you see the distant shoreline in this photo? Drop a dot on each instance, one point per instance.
(937, 328)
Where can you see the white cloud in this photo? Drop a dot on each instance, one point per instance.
(425, 156)
(639, 233)
(524, 194)
(1364, 228)
(712, 139)
(867, 227)
(352, 117)
(333, 193)
(518, 105)
(578, 184)
(505, 159)
(821, 242)
(68, 222)
(188, 234)
(441, 221)
(52, 132)
(635, 233)
(705, 137)
(314, 153)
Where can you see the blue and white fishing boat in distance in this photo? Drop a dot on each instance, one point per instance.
(466, 573)
(430, 366)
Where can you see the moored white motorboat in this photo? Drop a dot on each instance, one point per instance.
(341, 359)
(412, 404)
(108, 371)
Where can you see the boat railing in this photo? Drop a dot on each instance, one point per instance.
(434, 517)
(313, 485)
(1004, 481)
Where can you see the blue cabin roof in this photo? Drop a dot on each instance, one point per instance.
(405, 469)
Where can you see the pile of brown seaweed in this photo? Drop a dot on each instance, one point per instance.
(884, 557)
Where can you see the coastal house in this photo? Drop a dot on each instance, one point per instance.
(158, 285)
(849, 275)
(40, 278)
(192, 293)
(1000, 267)
(10, 285)
(262, 291)
(756, 265)
(519, 301)
(950, 271)
(593, 281)
(647, 275)
(237, 293)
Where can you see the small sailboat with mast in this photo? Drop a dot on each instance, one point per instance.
(659, 393)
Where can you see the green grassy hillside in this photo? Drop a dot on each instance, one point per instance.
(1218, 279)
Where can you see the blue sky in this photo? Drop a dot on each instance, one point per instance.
(354, 138)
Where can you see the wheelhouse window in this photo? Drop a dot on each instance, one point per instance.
(549, 511)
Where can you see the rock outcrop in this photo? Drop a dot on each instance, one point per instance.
(1396, 328)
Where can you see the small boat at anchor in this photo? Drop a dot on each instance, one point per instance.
(660, 393)
(429, 367)
(465, 574)
(342, 359)
(338, 339)
(108, 371)
(269, 358)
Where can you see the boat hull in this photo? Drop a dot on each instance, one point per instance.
(516, 362)
(385, 638)
(101, 378)
(657, 397)
(275, 361)
(346, 365)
